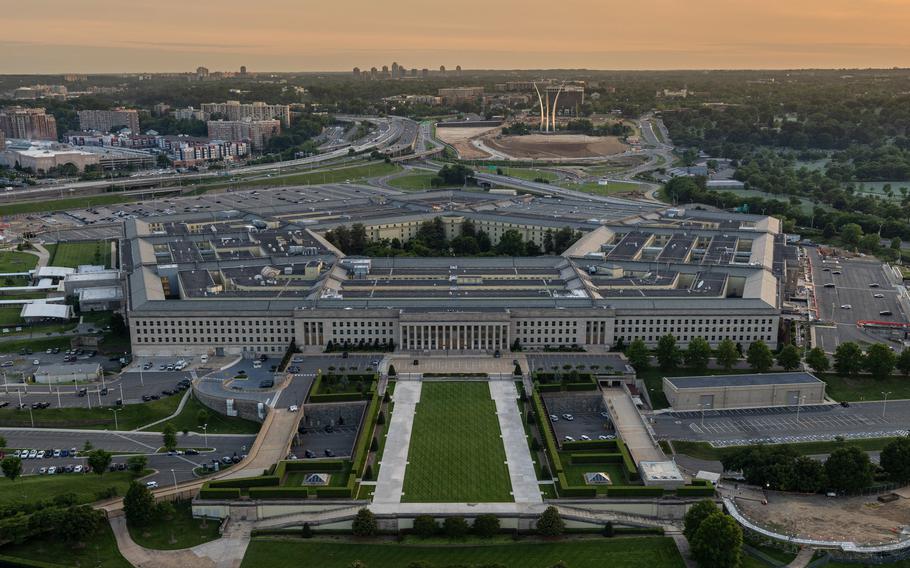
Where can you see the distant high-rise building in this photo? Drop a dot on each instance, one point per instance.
(394, 69)
(442, 69)
(2, 141)
(235, 110)
(243, 69)
(385, 71)
(202, 73)
(357, 72)
(105, 120)
(257, 132)
(414, 72)
(373, 73)
(424, 72)
(28, 123)
(161, 109)
(458, 70)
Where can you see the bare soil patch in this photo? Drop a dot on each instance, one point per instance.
(460, 138)
(557, 146)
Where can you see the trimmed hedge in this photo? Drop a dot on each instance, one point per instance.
(316, 396)
(695, 491)
(362, 449)
(634, 491)
(566, 490)
(14, 562)
(555, 387)
(610, 446)
(261, 481)
(631, 470)
(279, 492)
(548, 438)
(336, 397)
(333, 493)
(589, 386)
(220, 492)
(311, 465)
(595, 458)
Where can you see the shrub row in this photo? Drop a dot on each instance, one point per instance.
(261, 481)
(547, 432)
(631, 470)
(279, 492)
(309, 465)
(13, 562)
(335, 492)
(219, 492)
(362, 449)
(581, 386)
(695, 491)
(610, 446)
(595, 458)
(555, 387)
(634, 491)
(338, 397)
(566, 490)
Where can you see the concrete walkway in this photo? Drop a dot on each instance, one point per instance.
(225, 552)
(390, 484)
(518, 457)
(803, 558)
(631, 426)
(682, 545)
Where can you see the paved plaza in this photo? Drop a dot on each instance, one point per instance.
(521, 469)
(390, 483)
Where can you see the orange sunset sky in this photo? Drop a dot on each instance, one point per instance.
(48, 36)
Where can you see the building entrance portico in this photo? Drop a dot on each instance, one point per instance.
(440, 364)
(454, 331)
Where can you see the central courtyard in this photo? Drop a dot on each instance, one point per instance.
(456, 451)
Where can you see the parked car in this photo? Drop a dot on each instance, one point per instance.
(152, 484)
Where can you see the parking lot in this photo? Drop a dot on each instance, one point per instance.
(588, 414)
(852, 298)
(330, 427)
(785, 424)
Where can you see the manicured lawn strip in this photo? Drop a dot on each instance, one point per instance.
(529, 174)
(413, 182)
(100, 551)
(610, 189)
(36, 345)
(188, 419)
(9, 315)
(336, 478)
(183, 529)
(15, 261)
(132, 416)
(640, 552)
(85, 485)
(703, 450)
(575, 474)
(70, 203)
(72, 254)
(456, 453)
(866, 388)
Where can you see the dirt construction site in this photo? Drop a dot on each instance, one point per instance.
(460, 139)
(556, 146)
(863, 520)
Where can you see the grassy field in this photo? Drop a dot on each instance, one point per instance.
(100, 551)
(866, 388)
(456, 453)
(188, 419)
(612, 188)
(182, 531)
(85, 486)
(575, 474)
(339, 175)
(643, 552)
(413, 182)
(72, 254)
(14, 261)
(703, 450)
(132, 416)
(9, 315)
(529, 174)
(35, 345)
(70, 203)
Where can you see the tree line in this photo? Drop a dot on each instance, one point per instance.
(698, 353)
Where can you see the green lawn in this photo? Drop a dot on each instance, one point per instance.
(188, 419)
(9, 315)
(456, 453)
(14, 261)
(866, 388)
(69, 203)
(609, 189)
(181, 531)
(72, 254)
(575, 473)
(86, 486)
(132, 416)
(36, 345)
(704, 450)
(413, 182)
(529, 174)
(640, 552)
(339, 175)
(100, 551)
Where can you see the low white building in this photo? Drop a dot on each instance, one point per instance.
(99, 299)
(67, 373)
(40, 311)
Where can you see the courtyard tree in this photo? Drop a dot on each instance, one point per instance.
(139, 505)
(549, 523)
(99, 460)
(788, 358)
(697, 354)
(903, 362)
(169, 437)
(879, 361)
(848, 359)
(12, 467)
(455, 527)
(759, 357)
(727, 355)
(667, 353)
(895, 460)
(364, 523)
(486, 526)
(848, 469)
(817, 360)
(136, 464)
(696, 514)
(718, 542)
(639, 355)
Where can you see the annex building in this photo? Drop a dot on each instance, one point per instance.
(252, 281)
(719, 392)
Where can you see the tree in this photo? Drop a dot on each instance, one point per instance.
(789, 358)
(517, 370)
(139, 505)
(895, 460)
(2, 442)
(374, 444)
(879, 360)
(202, 417)
(697, 354)
(851, 233)
(696, 514)
(808, 476)
(306, 531)
(848, 359)
(549, 523)
(392, 371)
(848, 469)
(357, 564)
(727, 355)
(169, 437)
(486, 526)
(510, 243)
(667, 353)
(76, 524)
(99, 460)
(718, 542)
(136, 464)
(639, 355)
(759, 357)
(425, 526)
(903, 362)
(364, 523)
(455, 527)
(608, 530)
(817, 360)
(12, 467)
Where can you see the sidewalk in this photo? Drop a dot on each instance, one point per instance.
(390, 484)
(226, 552)
(518, 458)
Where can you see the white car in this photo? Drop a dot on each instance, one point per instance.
(56, 453)
(554, 418)
(569, 439)
(293, 408)
(152, 484)
(32, 454)
(878, 295)
(568, 417)
(846, 307)
(603, 437)
(40, 455)
(585, 437)
(52, 470)
(77, 469)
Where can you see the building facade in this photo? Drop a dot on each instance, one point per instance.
(106, 120)
(28, 123)
(235, 111)
(257, 132)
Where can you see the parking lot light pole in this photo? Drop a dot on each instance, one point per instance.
(5, 385)
(115, 411)
(205, 435)
(175, 478)
(884, 401)
(799, 402)
(31, 416)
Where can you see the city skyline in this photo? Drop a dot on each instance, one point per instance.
(656, 34)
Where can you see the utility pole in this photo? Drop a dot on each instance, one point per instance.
(885, 402)
(115, 411)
